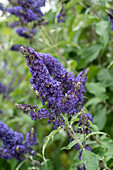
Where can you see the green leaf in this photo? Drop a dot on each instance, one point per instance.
(47, 139)
(70, 145)
(93, 70)
(110, 65)
(61, 43)
(95, 133)
(90, 160)
(108, 143)
(71, 3)
(97, 89)
(75, 118)
(88, 55)
(93, 101)
(105, 76)
(66, 121)
(73, 63)
(100, 118)
(102, 30)
(19, 166)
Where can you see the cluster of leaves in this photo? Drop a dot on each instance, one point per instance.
(83, 40)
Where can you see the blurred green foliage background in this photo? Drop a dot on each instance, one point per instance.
(85, 40)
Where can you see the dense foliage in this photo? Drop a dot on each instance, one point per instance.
(56, 64)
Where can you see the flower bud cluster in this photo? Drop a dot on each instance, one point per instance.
(13, 145)
(51, 83)
(28, 11)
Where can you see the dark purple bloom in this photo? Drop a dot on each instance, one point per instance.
(89, 116)
(18, 10)
(61, 18)
(110, 15)
(14, 24)
(15, 47)
(26, 33)
(77, 147)
(26, 3)
(12, 143)
(30, 16)
(53, 84)
(31, 138)
(62, 15)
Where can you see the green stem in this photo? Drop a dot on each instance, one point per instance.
(84, 137)
(93, 9)
(73, 135)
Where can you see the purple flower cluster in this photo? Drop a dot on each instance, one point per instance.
(27, 11)
(25, 32)
(13, 145)
(62, 15)
(110, 15)
(84, 126)
(3, 88)
(14, 24)
(62, 92)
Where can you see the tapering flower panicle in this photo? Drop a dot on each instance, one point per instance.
(32, 110)
(13, 145)
(54, 85)
(15, 47)
(26, 108)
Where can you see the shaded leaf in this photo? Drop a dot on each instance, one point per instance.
(90, 160)
(89, 54)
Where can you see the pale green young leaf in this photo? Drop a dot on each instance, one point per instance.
(47, 139)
